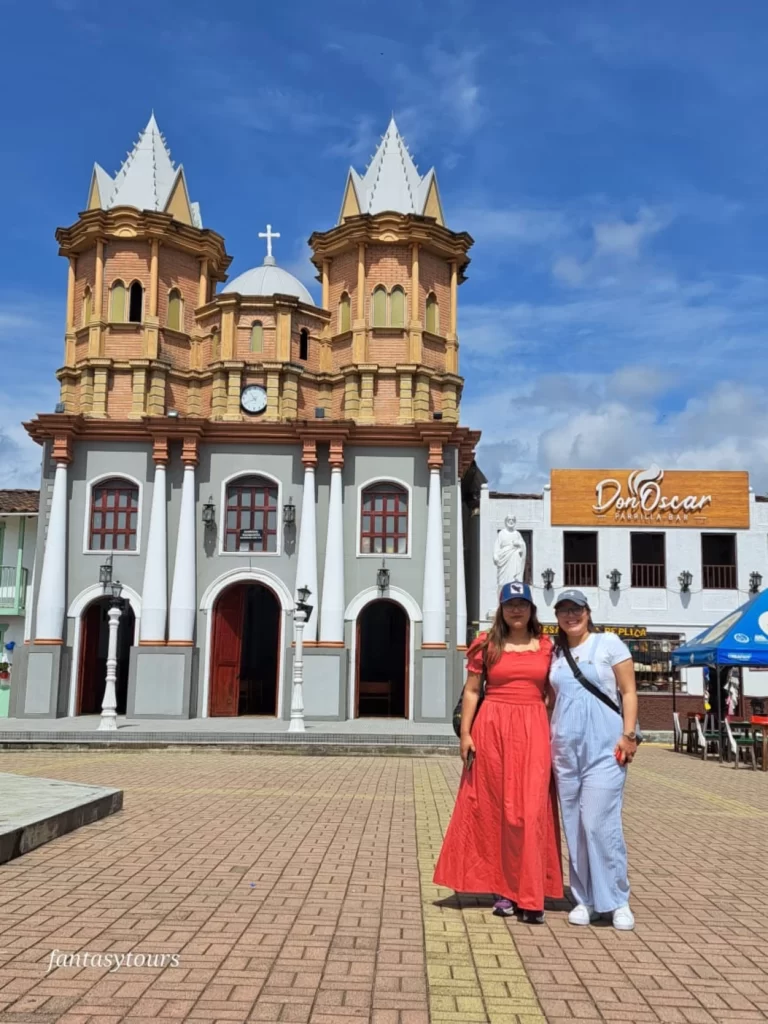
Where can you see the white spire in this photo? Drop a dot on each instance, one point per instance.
(146, 178)
(391, 181)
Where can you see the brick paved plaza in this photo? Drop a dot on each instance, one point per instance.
(299, 889)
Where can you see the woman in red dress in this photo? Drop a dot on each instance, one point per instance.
(504, 835)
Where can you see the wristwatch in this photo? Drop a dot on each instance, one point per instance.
(631, 736)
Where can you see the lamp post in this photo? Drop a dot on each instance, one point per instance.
(108, 721)
(301, 615)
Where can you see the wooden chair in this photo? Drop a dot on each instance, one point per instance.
(738, 744)
(707, 738)
(379, 692)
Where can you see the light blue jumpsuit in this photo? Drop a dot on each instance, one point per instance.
(590, 781)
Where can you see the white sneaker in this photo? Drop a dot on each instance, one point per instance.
(623, 919)
(582, 915)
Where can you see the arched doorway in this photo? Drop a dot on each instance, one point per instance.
(94, 645)
(245, 656)
(382, 661)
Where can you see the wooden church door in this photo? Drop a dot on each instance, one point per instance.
(91, 681)
(227, 652)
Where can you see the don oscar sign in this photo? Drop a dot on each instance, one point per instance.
(650, 497)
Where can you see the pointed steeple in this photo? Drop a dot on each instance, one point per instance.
(147, 180)
(391, 183)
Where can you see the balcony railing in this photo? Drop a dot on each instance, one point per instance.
(649, 576)
(581, 574)
(719, 577)
(13, 589)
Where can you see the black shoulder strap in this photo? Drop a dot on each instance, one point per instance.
(594, 690)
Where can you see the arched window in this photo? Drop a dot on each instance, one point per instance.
(432, 323)
(344, 313)
(397, 307)
(175, 310)
(257, 336)
(380, 306)
(87, 305)
(117, 302)
(304, 344)
(251, 507)
(215, 345)
(114, 515)
(384, 520)
(136, 303)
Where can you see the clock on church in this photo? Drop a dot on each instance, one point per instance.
(253, 399)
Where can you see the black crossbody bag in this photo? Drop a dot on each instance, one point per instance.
(457, 709)
(596, 691)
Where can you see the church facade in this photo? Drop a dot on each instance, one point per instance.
(220, 444)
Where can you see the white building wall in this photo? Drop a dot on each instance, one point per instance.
(661, 611)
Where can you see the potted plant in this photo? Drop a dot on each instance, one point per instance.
(5, 670)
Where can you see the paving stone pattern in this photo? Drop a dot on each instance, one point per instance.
(299, 890)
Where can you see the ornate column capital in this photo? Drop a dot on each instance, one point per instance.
(189, 450)
(160, 451)
(435, 457)
(309, 454)
(62, 448)
(336, 454)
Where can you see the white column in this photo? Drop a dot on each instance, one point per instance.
(181, 624)
(154, 595)
(51, 601)
(332, 611)
(306, 560)
(433, 604)
(461, 584)
(297, 689)
(109, 704)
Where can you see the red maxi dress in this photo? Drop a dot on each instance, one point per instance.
(504, 834)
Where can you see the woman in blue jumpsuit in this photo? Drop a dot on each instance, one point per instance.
(591, 749)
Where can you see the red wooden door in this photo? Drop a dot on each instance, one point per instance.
(89, 677)
(227, 652)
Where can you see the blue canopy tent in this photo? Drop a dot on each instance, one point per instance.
(739, 639)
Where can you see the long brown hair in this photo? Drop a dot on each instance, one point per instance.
(496, 637)
(561, 640)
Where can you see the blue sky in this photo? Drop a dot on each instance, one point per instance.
(609, 159)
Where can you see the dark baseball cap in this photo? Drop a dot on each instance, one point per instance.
(510, 591)
(574, 596)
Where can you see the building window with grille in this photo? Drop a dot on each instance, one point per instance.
(649, 568)
(250, 522)
(718, 561)
(652, 659)
(580, 559)
(384, 520)
(114, 515)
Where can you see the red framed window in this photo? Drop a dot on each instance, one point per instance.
(114, 516)
(384, 520)
(250, 522)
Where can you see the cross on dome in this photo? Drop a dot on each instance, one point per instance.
(269, 234)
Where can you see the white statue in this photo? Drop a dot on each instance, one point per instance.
(509, 554)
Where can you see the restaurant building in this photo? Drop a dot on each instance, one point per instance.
(660, 555)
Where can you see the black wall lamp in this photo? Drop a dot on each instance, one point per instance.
(209, 513)
(382, 577)
(549, 578)
(289, 513)
(755, 582)
(685, 579)
(615, 577)
(105, 572)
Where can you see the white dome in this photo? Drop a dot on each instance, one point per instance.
(269, 279)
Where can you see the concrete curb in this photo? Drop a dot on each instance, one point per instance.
(21, 840)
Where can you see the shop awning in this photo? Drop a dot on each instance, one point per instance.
(741, 638)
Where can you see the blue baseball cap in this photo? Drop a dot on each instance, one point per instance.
(510, 591)
(574, 596)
